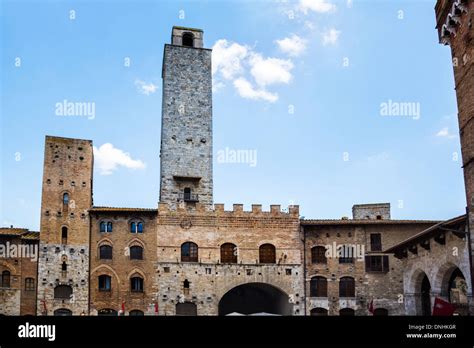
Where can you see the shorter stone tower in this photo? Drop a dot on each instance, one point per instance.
(63, 269)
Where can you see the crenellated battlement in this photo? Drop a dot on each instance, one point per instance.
(218, 209)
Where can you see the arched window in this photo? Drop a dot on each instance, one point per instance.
(228, 253)
(186, 285)
(347, 312)
(64, 235)
(136, 227)
(136, 313)
(188, 40)
(63, 292)
(346, 287)
(105, 252)
(267, 253)
(5, 279)
(318, 287)
(318, 255)
(65, 201)
(189, 252)
(62, 312)
(136, 253)
(29, 284)
(380, 311)
(107, 312)
(105, 283)
(319, 312)
(106, 226)
(136, 284)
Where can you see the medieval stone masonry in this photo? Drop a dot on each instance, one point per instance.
(190, 256)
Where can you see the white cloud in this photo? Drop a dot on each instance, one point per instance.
(145, 88)
(267, 71)
(444, 133)
(293, 46)
(349, 3)
(107, 158)
(217, 85)
(319, 6)
(227, 58)
(330, 36)
(246, 90)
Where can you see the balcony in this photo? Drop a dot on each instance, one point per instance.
(188, 197)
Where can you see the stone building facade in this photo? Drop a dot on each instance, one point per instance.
(189, 256)
(435, 264)
(18, 271)
(356, 272)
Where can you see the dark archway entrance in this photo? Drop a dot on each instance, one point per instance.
(457, 289)
(62, 312)
(425, 296)
(254, 298)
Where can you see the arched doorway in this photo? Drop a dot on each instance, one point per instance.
(255, 298)
(62, 312)
(380, 312)
(455, 289)
(425, 296)
(186, 309)
(319, 312)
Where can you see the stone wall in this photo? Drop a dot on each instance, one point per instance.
(371, 211)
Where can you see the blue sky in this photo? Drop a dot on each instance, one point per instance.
(301, 83)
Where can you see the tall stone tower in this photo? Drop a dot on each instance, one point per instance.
(455, 24)
(186, 123)
(63, 269)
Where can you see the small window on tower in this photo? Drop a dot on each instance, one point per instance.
(188, 40)
(65, 201)
(64, 235)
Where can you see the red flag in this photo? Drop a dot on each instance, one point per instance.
(371, 307)
(156, 307)
(442, 307)
(123, 308)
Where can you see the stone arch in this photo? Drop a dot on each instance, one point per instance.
(255, 297)
(415, 279)
(136, 271)
(136, 242)
(108, 268)
(8, 267)
(420, 288)
(443, 275)
(105, 241)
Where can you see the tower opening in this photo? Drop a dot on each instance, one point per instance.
(188, 40)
